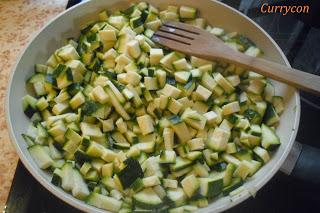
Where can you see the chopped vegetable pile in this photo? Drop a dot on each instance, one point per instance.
(129, 126)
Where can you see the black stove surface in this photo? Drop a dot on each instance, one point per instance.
(299, 38)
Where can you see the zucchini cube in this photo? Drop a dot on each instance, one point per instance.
(218, 140)
(100, 95)
(107, 35)
(155, 55)
(190, 185)
(134, 48)
(146, 124)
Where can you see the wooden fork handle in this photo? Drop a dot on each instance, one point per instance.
(296, 78)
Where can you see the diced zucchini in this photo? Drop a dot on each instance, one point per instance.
(100, 95)
(218, 141)
(278, 104)
(67, 176)
(60, 108)
(42, 103)
(104, 202)
(151, 181)
(254, 167)
(262, 154)
(234, 80)
(68, 53)
(217, 31)
(154, 25)
(198, 22)
(134, 48)
(235, 183)
(181, 64)
(194, 119)
(198, 62)
(196, 144)
(200, 106)
(223, 83)
(90, 129)
(230, 159)
(56, 177)
(242, 170)
(155, 56)
(41, 68)
(170, 183)
(146, 124)
(103, 16)
(161, 76)
(130, 173)
(133, 78)
(182, 76)
(118, 107)
(80, 189)
(168, 137)
(151, 83)
(203, 93)
(253, 51)
(210, 116)
(181, 129)
(116, 92)
(117, 21)
(174, 106)
(168, 59)
(147, 199)
(180, 164)
(231, 148)
(270, 140)
(77, 100)
(268, 92)
(167, 156)
(171, 91)
(137, 185)
(127, 125)
(177, 196)
(228, 174)
(190, 185)
(211, 187)
(40, 156)
(230, 108)
(187, 12)
(107, 35)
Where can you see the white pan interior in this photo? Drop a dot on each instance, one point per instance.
(68, 25)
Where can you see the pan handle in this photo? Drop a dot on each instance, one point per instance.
(303, 163)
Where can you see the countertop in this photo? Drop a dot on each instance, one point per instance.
(20, 19)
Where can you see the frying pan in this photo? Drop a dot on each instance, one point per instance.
(68, 24)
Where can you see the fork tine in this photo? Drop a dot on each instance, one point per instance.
(184, 27)
(173, 44)
(177, 32)
(173, 37)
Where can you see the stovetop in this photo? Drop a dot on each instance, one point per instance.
(300, 40)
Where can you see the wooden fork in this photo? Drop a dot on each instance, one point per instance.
(200, 43)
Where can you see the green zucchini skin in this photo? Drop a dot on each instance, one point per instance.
(130, 173)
